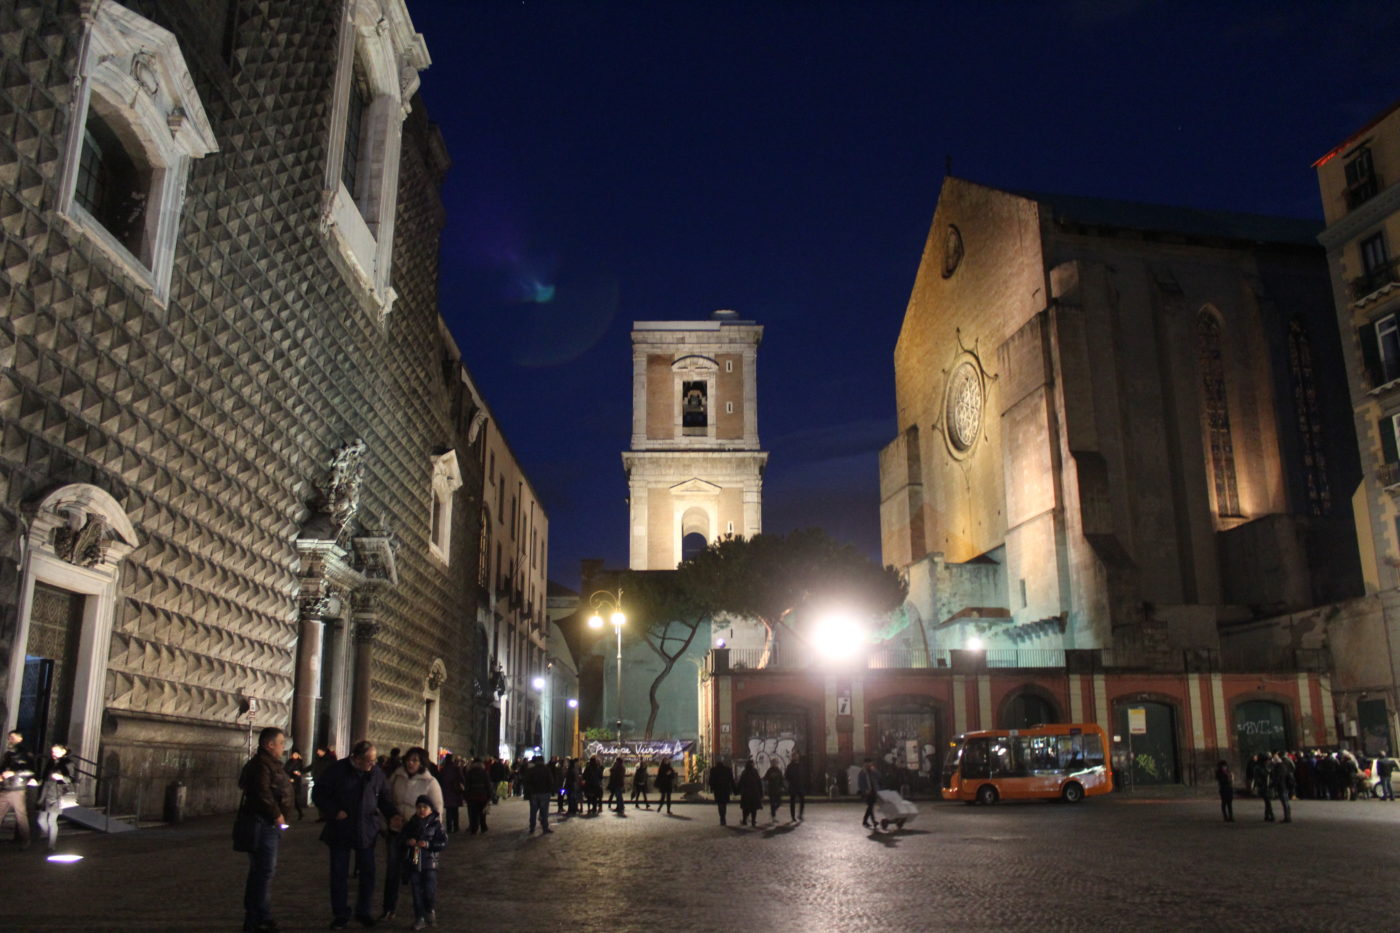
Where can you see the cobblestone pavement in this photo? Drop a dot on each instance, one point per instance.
(1108, 864)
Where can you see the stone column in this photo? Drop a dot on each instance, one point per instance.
(365, 631)
(308, 680)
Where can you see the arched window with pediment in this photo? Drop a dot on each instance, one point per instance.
(1215, 410)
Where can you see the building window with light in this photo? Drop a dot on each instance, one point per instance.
(1220, 445)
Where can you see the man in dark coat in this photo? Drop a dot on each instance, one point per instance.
(355, 794)
(617, 783)
(796, 775)
(477, 791)
(539, 787)
(721, 781)
(750, 794)
(268, 790)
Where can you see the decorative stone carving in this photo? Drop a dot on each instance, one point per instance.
(952, 251)
(365, 632)
(341, 492)
(963, 415)
(317, 606)
(82, 540)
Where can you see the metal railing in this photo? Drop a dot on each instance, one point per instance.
(1388, 475)
(1363, 190)
(1025, 657)
(1387, 273)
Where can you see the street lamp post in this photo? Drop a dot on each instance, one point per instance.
(601, 600)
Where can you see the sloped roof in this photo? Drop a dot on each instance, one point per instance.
(1187, 221)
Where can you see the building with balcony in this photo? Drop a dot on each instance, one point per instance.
(513, 617)
(1359, 181)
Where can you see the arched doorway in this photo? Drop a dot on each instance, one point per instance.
(909, 734)
(67, 602)
(1260, 726)
(1152, 754)
(1029, 707)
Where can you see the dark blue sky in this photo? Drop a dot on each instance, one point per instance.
(615, 162)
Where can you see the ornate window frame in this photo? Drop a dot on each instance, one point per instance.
(447, 479)
(131, 74)
(378, 34)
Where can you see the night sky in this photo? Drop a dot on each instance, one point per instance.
(615, 162)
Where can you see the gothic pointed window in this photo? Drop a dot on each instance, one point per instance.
(1216, 410)
(1312, 439)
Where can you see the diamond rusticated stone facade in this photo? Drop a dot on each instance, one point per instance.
(210, 418)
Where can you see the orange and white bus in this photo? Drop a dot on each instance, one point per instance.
(1064, 761)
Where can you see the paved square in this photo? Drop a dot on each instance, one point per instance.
(1107, 864)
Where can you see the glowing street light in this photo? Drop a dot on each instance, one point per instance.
(603, 600)
(974, 644)
(537, 683)
(837, 636)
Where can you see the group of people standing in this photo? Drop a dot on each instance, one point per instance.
(1317, 775)
(751, 787)
(358, 799)
(49, 781)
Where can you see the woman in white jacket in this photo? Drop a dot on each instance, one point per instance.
(405, 784)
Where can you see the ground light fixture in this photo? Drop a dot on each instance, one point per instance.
(65, 859)
(838, 635)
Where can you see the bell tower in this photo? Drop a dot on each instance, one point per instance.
(695, 470)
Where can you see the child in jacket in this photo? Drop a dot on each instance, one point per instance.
(424, 840)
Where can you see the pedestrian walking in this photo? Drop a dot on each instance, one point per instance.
(796, 775)
(1385, 768)
(641, 783)
(59, 780)
(321, 759)
(593, 784)
(773, 784)
(409, 781)
(424, 840)
(452, 777)
(539, 789)
(665, 783)
(476, 791)
(296, 773)
(617, 783)
(267, 798)
(16, 768)
(1280, 773)
(356, 795)
(1225, 782)
(721, 782)
(571, 787)
(869, 786)
(500, 779)
(750, 794)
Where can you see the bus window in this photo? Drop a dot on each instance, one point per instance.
(1044, 754)
(1002, 760)
(950, 765)
(1093, 751)
(974, 759)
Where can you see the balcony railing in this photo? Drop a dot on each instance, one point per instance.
(1389, 475)
(1025, 657)
(1387, 273)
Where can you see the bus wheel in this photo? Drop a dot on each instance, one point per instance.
(1073, 792)
(987, 794)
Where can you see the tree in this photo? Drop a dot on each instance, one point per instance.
(668, 613)
(769, 577)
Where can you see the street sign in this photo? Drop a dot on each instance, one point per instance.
(1137, 720)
